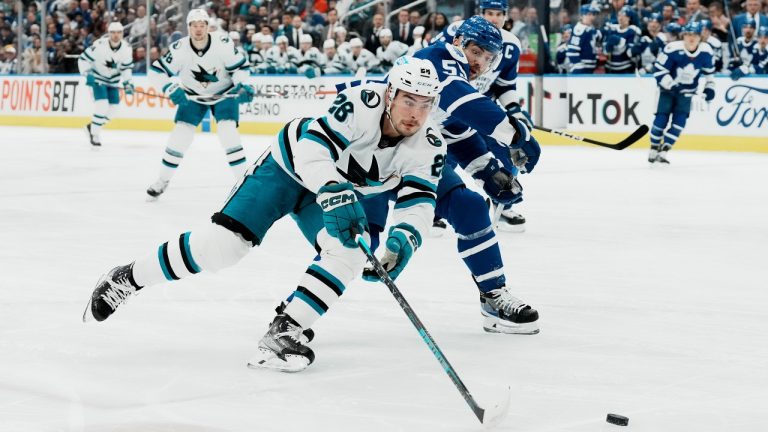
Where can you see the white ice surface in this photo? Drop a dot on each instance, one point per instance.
(651, 284)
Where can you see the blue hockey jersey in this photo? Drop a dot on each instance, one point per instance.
(744, 48)
(582, 48)
(676, 69)
(618, 44)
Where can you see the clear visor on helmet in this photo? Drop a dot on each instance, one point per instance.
(476, 54)
(412, 101)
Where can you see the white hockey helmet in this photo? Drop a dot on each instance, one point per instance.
(256, 38)
(234, 35)
(355, 43)
(281, 39)
(115, 26)
(340, 29)
(267, 39)
(413, 75)
(198, 15)
(329, 43)
(305, 38)
(418, 30)
(385, 33)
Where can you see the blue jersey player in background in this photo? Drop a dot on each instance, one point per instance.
(759, 61)
(469, 120)
(619, 39)
(583, 47)
(499, 83)
(677, 71)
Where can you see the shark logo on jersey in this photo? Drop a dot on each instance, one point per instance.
(204, 77)
(370, 98)
(362, 177)
(111, 64)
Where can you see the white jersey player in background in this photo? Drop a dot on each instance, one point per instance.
(312, 60)
(390, 50)
(106, 64)
(363, 59)
(200, 72)
(374, 138)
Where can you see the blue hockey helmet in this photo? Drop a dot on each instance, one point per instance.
(566, 28)
(655, 17)
(494, 4)
(692, 27)
(628, 11)
(749, 22)
(589, 9)
(673, 28)
(762, 31)
(706, 24)
(480, 31)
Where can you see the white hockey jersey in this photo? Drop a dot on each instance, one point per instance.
(108, 65)
(346, 145)
(290, 57)
(313, 57)
(392, 52)
(213, 70)
(366, 60)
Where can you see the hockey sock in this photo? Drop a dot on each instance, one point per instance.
(324, 281)
(212, 248)
(673, 133)
(230, 141)
(100, 117)
(477, 244)
(659, 124)
(178, 142)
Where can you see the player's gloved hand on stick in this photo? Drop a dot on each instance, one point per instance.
(176, 93)
(525, 149)
(517, 112)
(128, 88)
(500, 185)
(709, 94)
(737, 74)
(402, 242)
(90, 80)
(245, 93)
(343, 215)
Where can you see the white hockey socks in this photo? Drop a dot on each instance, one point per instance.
(178, 143)
(230, 142)
(99, 118)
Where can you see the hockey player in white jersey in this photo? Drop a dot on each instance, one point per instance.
(106, 64)
(284, 57)
(363, 58)
(318, 170)
(312, 60)
(390, 50)
(202, 72)
(338, 62)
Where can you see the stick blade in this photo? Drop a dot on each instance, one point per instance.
(495, 414)
(628, 141)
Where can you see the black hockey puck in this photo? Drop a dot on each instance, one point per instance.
(617, 419)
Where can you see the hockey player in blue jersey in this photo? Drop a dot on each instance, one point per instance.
(561, 59)
(470, 121)
(373, 139)
(499, 83)
(745, 43)
(677, 71)
(650, 44)
(584, 46)
(719, 53)
(619, 40)
(759, 61)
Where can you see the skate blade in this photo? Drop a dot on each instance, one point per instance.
(87, 315)
(492, 324)
(151, 198)
(502, 226)
(266, 359)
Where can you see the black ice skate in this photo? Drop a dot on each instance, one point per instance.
(507, 314)
(156, 189)
(111, 291)
(281, 348)
(511, 221)
(438, 227)
(307, 335)
(94, 141)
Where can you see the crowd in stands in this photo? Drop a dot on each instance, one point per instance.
(307, 37)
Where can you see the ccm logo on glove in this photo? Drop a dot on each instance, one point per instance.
(338, 200)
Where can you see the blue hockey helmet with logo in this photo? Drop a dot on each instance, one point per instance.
(589, 9)
(706, 24)
(692, 27)
(655, 17)
(566, 28)
(762, 31)
(673, 28)
(480, 31)
(749, 22)
(494, 4)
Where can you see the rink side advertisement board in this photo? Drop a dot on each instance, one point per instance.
(602, 107)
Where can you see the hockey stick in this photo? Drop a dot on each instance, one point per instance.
(488, 417)
(626, 142)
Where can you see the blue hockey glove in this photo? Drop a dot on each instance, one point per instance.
(90, 80)
(611, 42)
(245, 93)
(128, 88)
(525, 149)
(516, 111)
(709, 94)
(499, 184)
(343, 215)
(402, 242)
(737, 74)
(177, 94)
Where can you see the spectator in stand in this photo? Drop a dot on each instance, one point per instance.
(6, 36)
(694, 11)
(402, 31)
(517, 21)
(329, 31)
(751, 11)
(669, 13)
(434, 24)
(415, 18)
(371, 34)
(9, 63)
(32, 59)
(140, 60)
(286, 29)
(720, 22)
